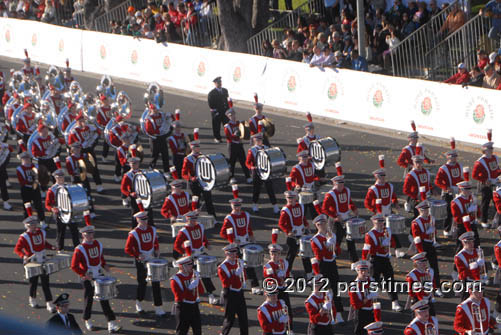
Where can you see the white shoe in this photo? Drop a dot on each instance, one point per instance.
(213, 300)
(447, 234)
(33, 302)
(498, 318)
(139, 307)
(255, 209)
(276, 209)
(454, 276)
(485, 225)
(117, 179)
(125, 203)
(399, 253)
(104, 160)
(217, 141)
(339, 318)
(92, 215)
(233, 180)
(43, 225)
(159, 311)
(257, 290)
(50, 307)
(353, 266)
(99, 189)
(395, 306)
(249, 180)
(7, 206)
(7, 183)
(439, 293)
(89, 325)
(113, 327)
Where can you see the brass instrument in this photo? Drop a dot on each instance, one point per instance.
(244, 129)
(4, 152)
(477, 316)
(242, 275)
(285, 310)
(35, 178)
(269, 127)
(140, 150)
(480, 252)
(429, 329)
(328, 299)
(83, 169)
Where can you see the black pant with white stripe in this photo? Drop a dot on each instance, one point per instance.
(141, 285)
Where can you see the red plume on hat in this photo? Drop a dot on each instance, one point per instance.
(177, 114)
(376, 307)
(381, 161)
(256, 100)
(288, 183)
(317, 206)
(133, 150)
(230, 103)
(419, 149)
(29, 210)
(57, 161)
(379, 205)
(87, 220)
(26, 53)
(422, 191)
(466, 173)
(21, 145)
(274, 235)
(309, 117)
(260, 126)
(140, 206)
(234, 189)
(195, 134)
(67, 63)
(173, 172)
(413, 125)
(339, 169)
(315, 266)
(489, 135)
(37, 70)
(194, 202)
(453, 143)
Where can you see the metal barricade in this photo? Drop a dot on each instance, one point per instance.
(203, 29)
(118, 13)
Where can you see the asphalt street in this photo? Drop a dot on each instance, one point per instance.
(360, 150)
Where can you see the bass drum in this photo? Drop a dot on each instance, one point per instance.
(151, 187)
(324, 152)
(72, 201)
(212, 171)
(271, 163)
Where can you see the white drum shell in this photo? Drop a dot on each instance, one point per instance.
(63, 261)
(33, 269)
(51, 267)
(105, 288)
(324, 152)
(212, 171)
(397, 224)
(305, 249)
(207, 221)
(356, 228)
(306, 197)
(157, 269)
(438, 209)
(253, 255)
(271, 163)
(207, 266)
(151, 187)
(72, 201)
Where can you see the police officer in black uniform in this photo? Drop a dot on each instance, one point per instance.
(63, 321)
(218, 104)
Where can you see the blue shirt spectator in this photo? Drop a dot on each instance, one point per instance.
(493, 10)
(358, 63)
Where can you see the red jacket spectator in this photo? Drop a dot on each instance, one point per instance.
(460, 77)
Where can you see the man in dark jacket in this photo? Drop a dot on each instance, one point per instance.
(477, 78)
(63, 321)
(218, 104)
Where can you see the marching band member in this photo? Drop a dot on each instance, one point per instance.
(42, 147)
(293, 223)
(303, 177)
(27, 176)
(424, 232)
(68, 78)
(486, 170)
(448, 176)
(70, 116)
(188, 173)
(5, 152)
(468, 261)
(76, 169)
(63, 319)
(142, 244)
(186, 287)
(381, 190)
(27, 69)
(51, 206)
(496, 198)
(339, 206)
(417, 177)
(278, 269)
(273, 315)
(320, 310)
(323, 244)
(26, 124)
(218, 104)
(192, 241)
(256, 120)
(177, 203)
(129, 193)
(31, 246)
(237, 229)
(256, 180)
(362, 298)
(158, 145)
(13, 106)
(103, 117)
(473, 315)
(56, 98)
(235, 146)
(377, 245)
(464, 211)
(423, 322)
(412, 149)
(122, 154)
(497, 254)
(177, 143)
(232, 275)
(303, 143)
(87, 136)
(88, 262)
(421, 281)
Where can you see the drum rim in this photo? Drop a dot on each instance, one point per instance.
(213, 166)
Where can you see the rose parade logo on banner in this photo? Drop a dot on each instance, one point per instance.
(290, 86)
(237, 74)
(201, 69)
(377, 98)
(333, 90)
(425, 103)
(133, 57)
(166, 63)
(34, 39)
(7, 35)
(479, 110)
(102, 52)
(61, 45)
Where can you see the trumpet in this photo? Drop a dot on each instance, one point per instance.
(429, 329)
(477, 316)
(286, 312)
(480, 252)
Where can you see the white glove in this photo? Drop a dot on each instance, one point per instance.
(281, 273)
(283, 319)
(331, 241)
(327, 306)
(480, 262)
(238, 271)
(194, 283)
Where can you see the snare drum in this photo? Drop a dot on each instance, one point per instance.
(207, 266)
(253, 255)
(397, 224)
(158, 269)
(105, 288)
(324, 151)
(176, 227)
(305, 249)
(306, 197)
(51, 266)
(356, 229)
(32, 270)
(271, 163)
(438, 209)
(63, 260)
(72, 201)
(150, 187)
(207, 221)
(212, 171)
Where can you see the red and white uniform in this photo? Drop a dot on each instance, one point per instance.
(179, 284)
(229, 279)
(268, 316)
(56, 100)
(30, 244)
(11, 109)
(142, 242)
(196, 235)
(303, 143)
(405, 158)
(28, 70)
(68, 119)
(277, 270)
(117, 131)
(188, 171)
(466, 263)
(82, 135)
(254, 123)
(127, 179)
(414, 180)
(88, 258)
(323, 247)
(486, 169)
(122, 152)
(462, 206)
(358, 295)
(41, 145)
(26, 175)
(103, 115)
(292, 219)
(250, 161)
(153, 123)
(242, 230)
(303, 175)
(417, 327)
(25, 123)
(376, 244)
(448, 176)
(177, 144)
(496, 197)
(424, 229)
(386, 193)
(176, 205)
(72, 165)
(50, 197)
(313, 306)
(425, 279)
(230, 130)
(497, 252)
(338, 204)
(465, 319)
